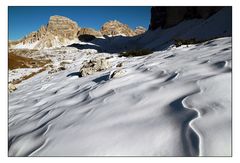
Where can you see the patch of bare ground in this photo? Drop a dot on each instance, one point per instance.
(16, 60)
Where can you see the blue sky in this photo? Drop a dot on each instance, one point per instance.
(23, 20)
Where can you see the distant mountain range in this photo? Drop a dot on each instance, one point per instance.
(62, 31)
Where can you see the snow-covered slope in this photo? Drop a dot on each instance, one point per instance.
(175, 102)
(18, 73)
(43, 44)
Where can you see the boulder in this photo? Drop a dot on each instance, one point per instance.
(11, 87)
(118, 73)
(120, 64)
(63, 63)
(55, 70)
(94, 65)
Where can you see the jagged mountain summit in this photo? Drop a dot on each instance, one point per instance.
(116, 28)
(63, 27)
(58, 32)
(62, 31)
(139, 30)
(88, 34)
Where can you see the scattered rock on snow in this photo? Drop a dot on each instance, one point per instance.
(118, 73)
(63, 63)
(61, 68)
(120, 64)
(11, 87)
(94, 65)
(54, 70)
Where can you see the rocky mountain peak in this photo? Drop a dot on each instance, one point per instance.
(139, 30)
(61, 31)
(63, 27)
(57, 32)
(89, 31)
(88, 34)
(115, 28)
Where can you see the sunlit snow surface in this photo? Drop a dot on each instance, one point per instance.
(175, 102)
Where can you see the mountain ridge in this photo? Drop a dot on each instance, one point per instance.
(62, 31)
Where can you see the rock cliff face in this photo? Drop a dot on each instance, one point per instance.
(89, 31)
(139, 30)
(166, 17)
(115, 28)
(88, 34)
(35, 36)
(58, 31)
(61, 31)
(62, 27)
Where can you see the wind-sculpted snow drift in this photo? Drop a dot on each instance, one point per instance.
(175, 102)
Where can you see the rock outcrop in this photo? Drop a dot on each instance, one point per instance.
(61, 31)
(89, 31)
(11, 87)
(88, 34)
(165, 17)
(13, 43)
(121, 64)
(139, 30)
(116, 28)
(56, 69)
(57, 32)
(94, 65)
(118, 73)
(62, 27)
(35, 36)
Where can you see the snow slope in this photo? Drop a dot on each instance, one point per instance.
(175, 102)
(42, 44)
(18, 73)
